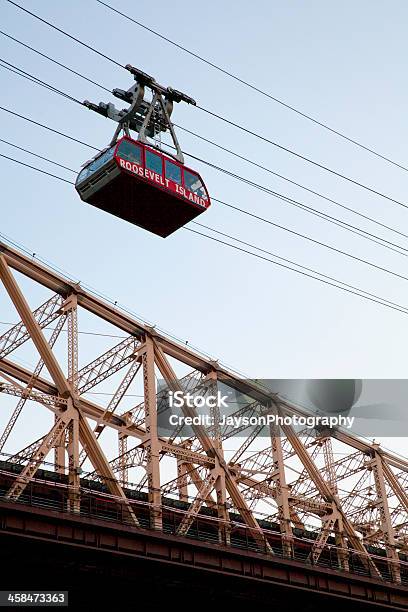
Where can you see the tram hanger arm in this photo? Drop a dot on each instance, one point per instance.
(168, 92)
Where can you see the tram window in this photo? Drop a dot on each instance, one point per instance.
(100, 161)
(96, 164)
(130, 151)
(194, 184)
(82, 175)
(173, 172)
(154, 162)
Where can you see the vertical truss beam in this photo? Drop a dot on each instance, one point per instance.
(70, 307)
(182, 480)
(329, 464)
(152, 444)
(224, 525)
(123, 464)
(211, 389)
(74, 500)
(341, 545)
(60, 452)
(385, 518)
(282, 492)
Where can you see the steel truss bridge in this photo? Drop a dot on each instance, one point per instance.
(324, 512)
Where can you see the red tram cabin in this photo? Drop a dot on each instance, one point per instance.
(143, 186)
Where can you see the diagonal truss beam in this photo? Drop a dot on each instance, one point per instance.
(119, 394)
(18, 334)
(203, 492)
(33, 328)
(400, 493)
(101, 464)
(18, 409)
(328, 526)
(107, 364)
(38, 456)
(25, 453)
(49, 394)
(103, 421)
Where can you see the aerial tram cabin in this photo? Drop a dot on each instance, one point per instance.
(143, 186)
(135, 179)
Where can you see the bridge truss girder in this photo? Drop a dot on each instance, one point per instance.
(322, 493)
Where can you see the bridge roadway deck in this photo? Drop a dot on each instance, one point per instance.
(102, 561)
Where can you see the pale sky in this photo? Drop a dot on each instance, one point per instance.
(343, 63)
